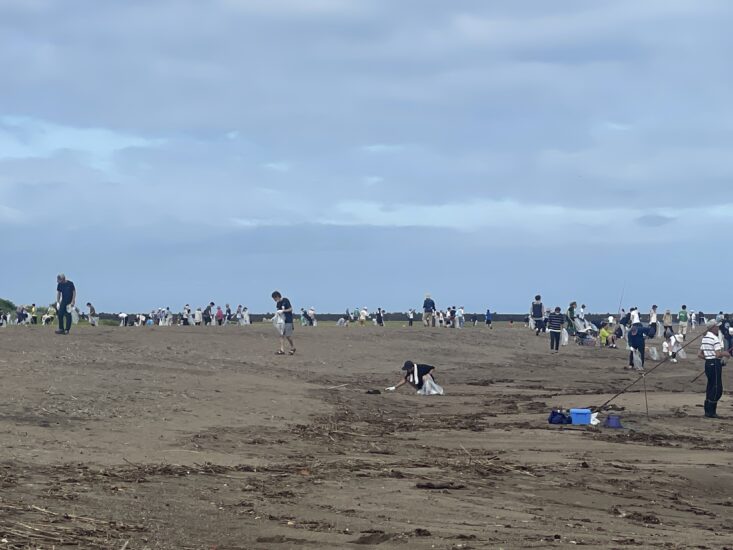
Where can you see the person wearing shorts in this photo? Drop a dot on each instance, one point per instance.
(285, 309)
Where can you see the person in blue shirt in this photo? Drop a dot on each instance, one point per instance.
(636, 340)
(489, 319)
(428, 308)
(65, 300)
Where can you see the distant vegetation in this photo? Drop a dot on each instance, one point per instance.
(6, 305)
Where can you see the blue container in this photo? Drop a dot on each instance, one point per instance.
(580, 416)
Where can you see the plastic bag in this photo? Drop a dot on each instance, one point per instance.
(430, 387)
(531, 324)
(665, 347)
(74, 315)
(654, 354)
(564, 337)
(637, 360)
(682, 354)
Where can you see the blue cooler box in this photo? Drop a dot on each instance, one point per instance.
(580, 416)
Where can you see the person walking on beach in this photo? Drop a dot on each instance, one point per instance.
(570, 314)
(284, 309)
(683, 318)
(410, 317)
(637, 345)
(555, 326)
(711, 350)
(489, 319)
(667, 323)
(537, 312)
(66, 299)
(93, 318)
(428, 308)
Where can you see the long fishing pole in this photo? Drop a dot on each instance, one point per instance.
(646, 373)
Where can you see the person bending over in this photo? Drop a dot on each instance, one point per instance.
(414, 374)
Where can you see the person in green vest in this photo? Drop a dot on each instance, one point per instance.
(683, 318)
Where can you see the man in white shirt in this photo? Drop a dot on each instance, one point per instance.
(653, 315)
(711, 350)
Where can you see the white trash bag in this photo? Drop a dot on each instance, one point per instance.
(564, 338)
(637, 360)
(654, 354)
(430, 387)
(682, 354)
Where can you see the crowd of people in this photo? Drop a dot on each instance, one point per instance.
(574, 324)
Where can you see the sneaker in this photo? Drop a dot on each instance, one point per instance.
(60, 332)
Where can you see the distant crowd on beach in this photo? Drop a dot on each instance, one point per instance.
(573, 324)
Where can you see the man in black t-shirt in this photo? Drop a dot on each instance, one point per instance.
(66, 299)
(284, 322)
(416, 375)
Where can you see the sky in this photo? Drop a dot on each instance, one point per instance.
(366, 152)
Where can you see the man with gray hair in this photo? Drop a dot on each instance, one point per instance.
(66, 300)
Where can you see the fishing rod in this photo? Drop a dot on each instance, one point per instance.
(645, 373)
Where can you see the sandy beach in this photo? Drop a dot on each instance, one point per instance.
(178, 437)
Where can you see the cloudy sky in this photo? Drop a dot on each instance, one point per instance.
(364, 152)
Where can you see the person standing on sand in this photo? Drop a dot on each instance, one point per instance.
(537, 312)
(555, 326)
(571, 318)
(428, 308)
(410, 317)
(711, 350)
(489, 319)
(667, 322)
(683, 318)
(93, 318)
(66, 299)
(637, 344)
(285, 309)
(653, 317)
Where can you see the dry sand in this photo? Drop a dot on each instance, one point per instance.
(203, 438)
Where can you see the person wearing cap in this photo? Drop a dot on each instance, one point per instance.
(66, 299)
(711, 350)
(415, 374)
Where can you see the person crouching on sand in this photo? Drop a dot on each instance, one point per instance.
(417, 375)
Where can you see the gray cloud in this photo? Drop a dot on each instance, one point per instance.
(654, 220)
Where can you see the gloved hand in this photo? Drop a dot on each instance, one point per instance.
(391, 388)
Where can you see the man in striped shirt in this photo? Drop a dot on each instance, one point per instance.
(555, 324)
(712, 351)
